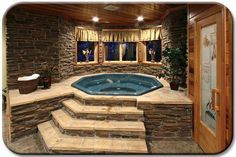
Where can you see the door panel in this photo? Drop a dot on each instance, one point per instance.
(209, 78)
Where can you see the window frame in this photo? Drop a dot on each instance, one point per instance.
(120, 54)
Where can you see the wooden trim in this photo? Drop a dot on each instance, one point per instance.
(87, 28)
(155, 63)
(229, 71)
(153, 27)
(96, 52)
(103, 53)
(109, 30)
(119, 62)
(84, 63)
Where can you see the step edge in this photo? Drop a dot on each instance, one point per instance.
(64, 126)
(55, 147)
(135, 112)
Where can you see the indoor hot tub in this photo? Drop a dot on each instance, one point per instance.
(117, 84)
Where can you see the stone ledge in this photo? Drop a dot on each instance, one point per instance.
(25, 118)
(57, 142)
(78, 110)
(107, 128)
(160, 96)
(166, 121)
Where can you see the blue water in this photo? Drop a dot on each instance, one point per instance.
(117, 84)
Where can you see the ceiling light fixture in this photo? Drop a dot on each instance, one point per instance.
(111, 8)
(95, 19)
(140, 18)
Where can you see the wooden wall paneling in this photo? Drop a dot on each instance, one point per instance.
(229, 75)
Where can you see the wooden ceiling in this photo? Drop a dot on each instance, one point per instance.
(125, 15)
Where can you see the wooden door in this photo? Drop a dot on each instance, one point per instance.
(210, 75)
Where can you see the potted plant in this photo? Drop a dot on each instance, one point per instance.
(46, 76)
(173, 60)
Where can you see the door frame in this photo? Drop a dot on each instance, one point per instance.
(221, 126)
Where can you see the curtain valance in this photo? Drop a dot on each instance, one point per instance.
(120, 35)
(86, 35)
(151, 34)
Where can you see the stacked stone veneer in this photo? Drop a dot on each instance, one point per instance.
(174, 29)
(25, 118)
(34, 39)
(167, 121)
(66, 45)
(122, 68)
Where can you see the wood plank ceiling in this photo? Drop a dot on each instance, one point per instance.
(125, 14)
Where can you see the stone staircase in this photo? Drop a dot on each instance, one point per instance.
(93, 127)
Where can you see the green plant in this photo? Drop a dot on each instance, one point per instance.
(174, 64)
(47, 69)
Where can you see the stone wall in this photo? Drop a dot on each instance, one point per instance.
(174, 29)
(167, 121)
(118, 68)
(66, 45)
(25, 118)
(32, 39)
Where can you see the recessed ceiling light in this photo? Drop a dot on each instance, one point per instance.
(95, 19)
(140, 18)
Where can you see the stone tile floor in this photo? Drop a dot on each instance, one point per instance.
(31, 145)
(174, 147)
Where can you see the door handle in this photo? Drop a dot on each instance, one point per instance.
(215, 99)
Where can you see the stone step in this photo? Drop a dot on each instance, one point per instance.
(77, 109)
(56, 142)
(107, 101)
(107, 128)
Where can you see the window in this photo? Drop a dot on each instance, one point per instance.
(112, 51)
(128, 51)
(86, 51)
(153, 51)
(115, 51)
